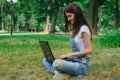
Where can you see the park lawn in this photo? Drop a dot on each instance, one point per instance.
(21, 58)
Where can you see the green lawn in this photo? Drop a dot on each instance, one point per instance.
(21, 58)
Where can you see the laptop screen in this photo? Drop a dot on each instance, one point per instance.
(47, 51)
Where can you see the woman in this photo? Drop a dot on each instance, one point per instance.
(80, 42)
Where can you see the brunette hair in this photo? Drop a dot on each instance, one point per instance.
(79, 19)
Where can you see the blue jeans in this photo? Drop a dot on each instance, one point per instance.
(72, 68)
(48, 65)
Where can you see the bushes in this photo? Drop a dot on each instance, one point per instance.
(109, 39)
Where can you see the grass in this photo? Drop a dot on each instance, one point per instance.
(21, 58)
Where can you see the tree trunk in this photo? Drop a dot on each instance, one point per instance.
(52, 27)
(116, 14)
(2, 14)
(93, 14)
(54, 17)
(46, 30)
(100, 19)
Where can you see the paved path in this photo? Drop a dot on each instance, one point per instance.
(8, 34)
(30, 33)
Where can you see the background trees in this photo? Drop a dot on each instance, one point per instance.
(37, 13)
(1, 9)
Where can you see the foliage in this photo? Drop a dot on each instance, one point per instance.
(83, 4)
(109, 39)
(21, 20)
(40, 10)
(108, 14)
(32, 21)
(7, 19)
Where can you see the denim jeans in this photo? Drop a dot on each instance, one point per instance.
(72, 68)
(48, 65)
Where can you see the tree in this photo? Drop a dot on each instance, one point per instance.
(93, 13)
(32, 22)
(100, 18)
(116, 14)
(55, 9)
(2, 5)
(7, 20)
(21, 21)
(48, 10)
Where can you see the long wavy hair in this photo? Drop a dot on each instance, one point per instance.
(79, 19)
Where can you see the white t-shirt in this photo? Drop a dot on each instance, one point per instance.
(78, 37)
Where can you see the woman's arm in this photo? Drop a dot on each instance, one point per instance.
(87, 50)
(88, 45)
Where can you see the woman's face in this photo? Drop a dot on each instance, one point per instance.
(70, 17)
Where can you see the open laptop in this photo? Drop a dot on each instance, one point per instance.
(48, 52)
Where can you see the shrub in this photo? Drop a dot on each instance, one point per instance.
(109, 39)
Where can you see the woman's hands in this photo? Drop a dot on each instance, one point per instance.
(66, 55)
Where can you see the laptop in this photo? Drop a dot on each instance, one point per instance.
(48, 52)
